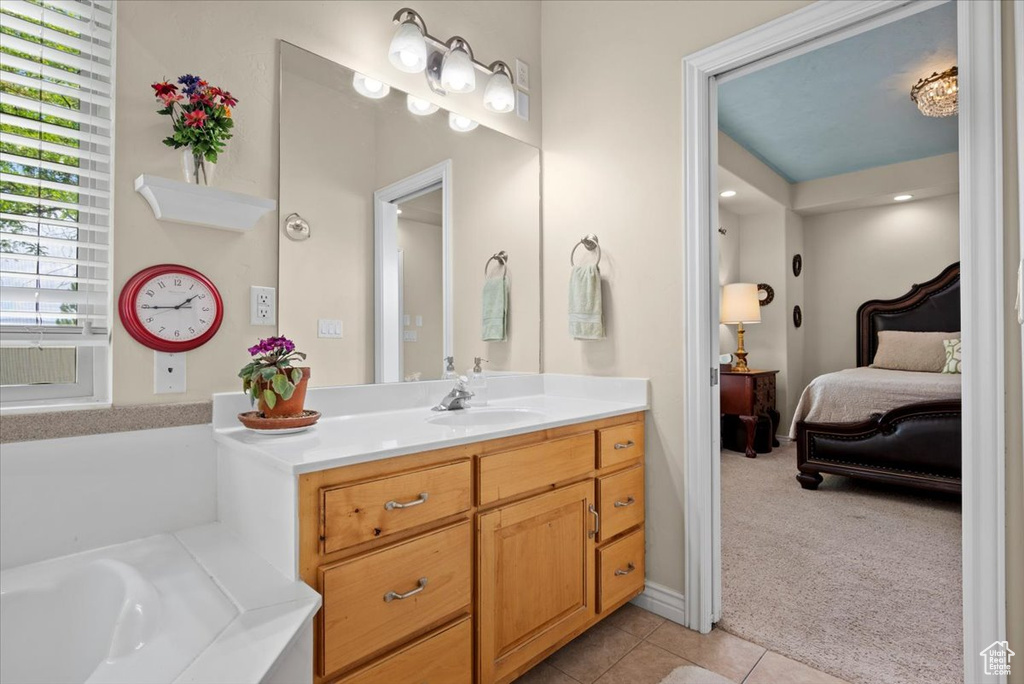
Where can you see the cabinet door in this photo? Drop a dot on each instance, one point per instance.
(536, 577)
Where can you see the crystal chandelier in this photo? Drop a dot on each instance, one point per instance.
(937, 95)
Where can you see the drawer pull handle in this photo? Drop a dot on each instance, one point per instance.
(628, 502)
(629, 568)
(597, 522)
(625, 445)
(394, 595)
(392, 505)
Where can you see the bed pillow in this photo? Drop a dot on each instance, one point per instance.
(912, 351)
(952, 364)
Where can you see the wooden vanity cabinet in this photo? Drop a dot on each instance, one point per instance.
(473, 563)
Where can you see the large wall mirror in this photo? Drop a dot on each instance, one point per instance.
(405, 206)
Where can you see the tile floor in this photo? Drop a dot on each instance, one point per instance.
(633, 646)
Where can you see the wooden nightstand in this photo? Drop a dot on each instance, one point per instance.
(750, 395)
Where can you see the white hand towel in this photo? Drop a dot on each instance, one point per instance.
(586, 313)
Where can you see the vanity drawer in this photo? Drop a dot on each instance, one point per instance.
(620, 570)
(442, 657)
(620, 501)
(620, 444)
(508, 473)
(357, 513)
(363, 611)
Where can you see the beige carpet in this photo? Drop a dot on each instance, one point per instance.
(858, 580)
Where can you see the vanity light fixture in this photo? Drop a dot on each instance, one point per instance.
(727, 193)
(370, 87)
(419, 106)
(461, 124)
(902, 198)
(449, 65)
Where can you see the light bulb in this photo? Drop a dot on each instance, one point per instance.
(370, 87)
(460, 123)
(457, 72)
(419, 106)
(499, 95)
(408, 51)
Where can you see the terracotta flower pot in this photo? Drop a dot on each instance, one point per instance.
(285, 408)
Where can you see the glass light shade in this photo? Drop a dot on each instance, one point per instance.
(740, 304)
(499, 95)
(419, 106)
(370, 87)
(408, 51)
(462, 124)
(457, 72)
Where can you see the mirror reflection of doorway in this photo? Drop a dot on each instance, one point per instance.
(420, 241)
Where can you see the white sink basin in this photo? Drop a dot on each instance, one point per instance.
(484, 415)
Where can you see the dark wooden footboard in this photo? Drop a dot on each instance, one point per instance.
(917, 445)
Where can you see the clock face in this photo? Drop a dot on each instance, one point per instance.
(171, 308)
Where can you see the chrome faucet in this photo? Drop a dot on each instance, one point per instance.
(456, 399)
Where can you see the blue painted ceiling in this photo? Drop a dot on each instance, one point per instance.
(846, 107)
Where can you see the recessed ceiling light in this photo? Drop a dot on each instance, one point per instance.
(728, 193)
(902, 198)
(399, 212)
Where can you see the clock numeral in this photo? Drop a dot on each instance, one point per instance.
(161, 283)
(192, 330)
(177, 333)
(149, 320)
(177, 282)
(192, 286)
(150, 293)
(162, 328)
(206, 308)
(202, 296)
(203, 321)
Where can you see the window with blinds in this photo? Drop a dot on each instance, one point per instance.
(56, 136)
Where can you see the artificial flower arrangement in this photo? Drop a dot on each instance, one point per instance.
(270, 378)
(201, 118)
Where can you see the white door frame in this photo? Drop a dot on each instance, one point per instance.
(387, 320)
(981, 277)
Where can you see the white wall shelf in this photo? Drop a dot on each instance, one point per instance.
(199, 205)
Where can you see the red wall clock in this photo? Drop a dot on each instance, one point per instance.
(170, 308)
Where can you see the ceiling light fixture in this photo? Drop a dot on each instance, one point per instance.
(370, 87)
(727, 193)
(461, 124)
(936, 96)
(419, 106)
(449, 65)
(902, 198)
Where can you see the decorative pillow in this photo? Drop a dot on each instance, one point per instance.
(912, 351)
(952, 356)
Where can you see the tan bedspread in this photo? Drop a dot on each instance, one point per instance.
(854, 394)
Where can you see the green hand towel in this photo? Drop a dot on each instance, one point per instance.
(586, 313)
(495, 309)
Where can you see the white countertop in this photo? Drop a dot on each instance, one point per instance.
(345, 435)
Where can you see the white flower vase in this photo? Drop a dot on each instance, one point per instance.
(197, 170)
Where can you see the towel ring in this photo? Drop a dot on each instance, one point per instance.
(590, 242)
(296, 227)
(501, 257)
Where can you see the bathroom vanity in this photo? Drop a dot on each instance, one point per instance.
(448, 547)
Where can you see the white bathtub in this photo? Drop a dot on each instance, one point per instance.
(136, 612)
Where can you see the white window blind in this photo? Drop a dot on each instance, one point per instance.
(56, 133)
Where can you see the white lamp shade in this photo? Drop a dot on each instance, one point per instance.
(457, 72)
(460, 123)
(499, 96)
(419, 106)
(740, 304)
(370, 87)
(408, 51)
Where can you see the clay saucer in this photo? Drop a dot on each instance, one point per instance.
(254, 420)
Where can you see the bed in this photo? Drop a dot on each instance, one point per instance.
(896, 427)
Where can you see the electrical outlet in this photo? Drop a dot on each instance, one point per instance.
(168, 373)
(329, 328)
(262, 305)
(522, 105)
(522, 74)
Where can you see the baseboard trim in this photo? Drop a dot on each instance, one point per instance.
(660, 600)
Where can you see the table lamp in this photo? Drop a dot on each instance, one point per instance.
(740, 304)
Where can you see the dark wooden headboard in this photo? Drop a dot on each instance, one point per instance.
(929, 307)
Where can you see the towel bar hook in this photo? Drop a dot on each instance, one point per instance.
(501, 257)
(590, 243)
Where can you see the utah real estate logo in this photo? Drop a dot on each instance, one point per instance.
(997, 658)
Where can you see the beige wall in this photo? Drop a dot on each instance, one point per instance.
(613, 166)
(860, 254)
(422, 295)
(728, 269)
(235, 46)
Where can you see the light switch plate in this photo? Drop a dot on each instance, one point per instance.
(522, 105)
(262, 305)
(168, 373)
(419, 321)
(522, 74)
(410, 336)
(330, 328)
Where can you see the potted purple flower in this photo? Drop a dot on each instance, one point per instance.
(271, 380)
